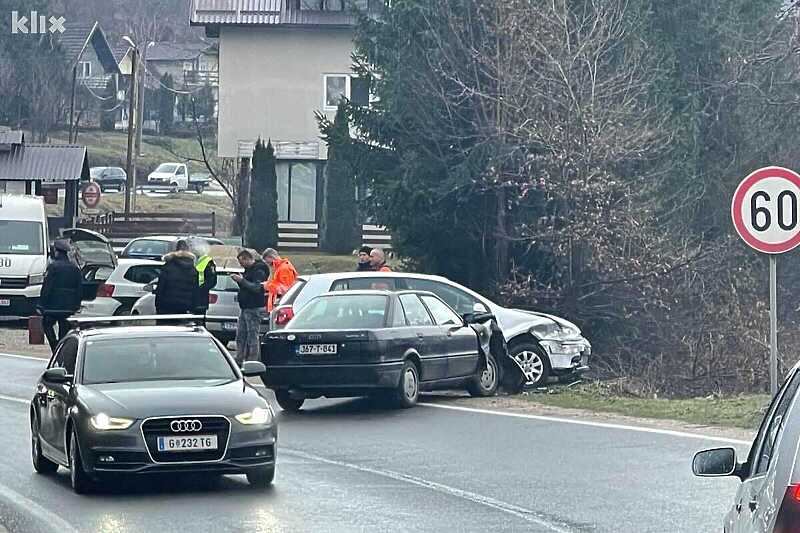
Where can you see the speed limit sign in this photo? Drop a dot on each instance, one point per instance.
(766, 210)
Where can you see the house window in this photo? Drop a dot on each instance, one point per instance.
(85, 69)
(337, 86)
(188, 65)
(297, 191)
(322, 5)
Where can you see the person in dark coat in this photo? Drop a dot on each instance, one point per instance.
(252, 300)
(364, 264)
(61, 293)
(177, 284)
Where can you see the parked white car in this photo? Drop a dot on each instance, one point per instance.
(173, 175)
(124, 286)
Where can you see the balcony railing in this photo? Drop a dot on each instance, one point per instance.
(201, 77)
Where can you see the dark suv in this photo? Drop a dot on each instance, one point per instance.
(109, 178)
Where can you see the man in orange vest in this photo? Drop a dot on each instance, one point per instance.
(377, 260)
(283, 276)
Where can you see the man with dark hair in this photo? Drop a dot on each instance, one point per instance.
(251, 306)
(61, 293)
(177, 284)
(363, 259)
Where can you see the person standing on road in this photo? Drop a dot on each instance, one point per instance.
(363, 259)
(176, 291)
(251, 306)
(377, 260)
(206, 275)
(61, 293)
(283, 276)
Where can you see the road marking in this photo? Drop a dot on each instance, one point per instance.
(12, 399)
(29, 357)
(35, 511)
(605, 425)
(520, 512)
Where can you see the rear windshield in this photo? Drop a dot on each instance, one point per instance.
(154, 359)
(351, 311)
(147, 247)
(94, 253)
(21, 238)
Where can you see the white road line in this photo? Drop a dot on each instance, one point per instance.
(35, 511)
(605, 425)
(29, 357)
(520, 512)
(12, 399)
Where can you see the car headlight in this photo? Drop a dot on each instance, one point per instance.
(36, 279)
(559, 348)
(258, 416)
(103, 422)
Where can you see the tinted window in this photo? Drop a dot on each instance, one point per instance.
(773, 430)
(365, 284)
(67, 355)
(459, 300)
(148, 247)
(416, 314)
(21, 238)
(154, 359)
(350, 311)
(142, 274)
(398, 316)
(443, 315)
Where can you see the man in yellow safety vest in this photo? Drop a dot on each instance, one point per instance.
(206, 277)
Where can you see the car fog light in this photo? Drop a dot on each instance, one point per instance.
(107, 459)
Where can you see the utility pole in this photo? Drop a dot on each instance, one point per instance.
(72, 103)
(130, 185)
(142, 94)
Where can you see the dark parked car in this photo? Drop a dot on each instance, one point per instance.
(109, 178)
(376, 343)
(157, 246)
(768, 499)
(149, 399)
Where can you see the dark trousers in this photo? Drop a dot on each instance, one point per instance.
(48, 325)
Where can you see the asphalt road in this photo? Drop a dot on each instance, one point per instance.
(348, 466)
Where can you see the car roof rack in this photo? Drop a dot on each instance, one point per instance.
(81, 323)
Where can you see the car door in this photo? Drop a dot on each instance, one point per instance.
(755, 503)
(60, 401)
(428, 338)
(181, 178)
(44, 395)
(460, 342)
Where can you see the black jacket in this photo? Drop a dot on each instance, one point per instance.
(364, 267)
(202, 290)
(177, 285)
(62, 288)
(251, 290)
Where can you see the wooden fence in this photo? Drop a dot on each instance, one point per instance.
(120, 228)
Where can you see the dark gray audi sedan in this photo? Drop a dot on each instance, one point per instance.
(149, 399)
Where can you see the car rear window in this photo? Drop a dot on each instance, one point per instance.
(292, 294)
(143, 273)
(364, 284)
(148, 247)
(344, 311)
(154, 359)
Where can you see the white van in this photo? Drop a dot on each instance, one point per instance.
(23, 253)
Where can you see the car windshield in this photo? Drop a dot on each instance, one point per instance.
(154, 359)
(115, 172)
(349, 311)
(96, 171)
(167, 168)
(148, 247)
(21, 238)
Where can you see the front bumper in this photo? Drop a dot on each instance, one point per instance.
(99, 307)
(334, 380)
(125, 452)
(22, 302)
(569, 356)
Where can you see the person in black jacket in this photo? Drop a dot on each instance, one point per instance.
(252, 300)
(363, 259)
(177, 284)
(61, 293)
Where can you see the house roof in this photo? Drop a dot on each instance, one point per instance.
(120, 51)
(78, 36)
(215, 13)
(46, 162)
(177, 51)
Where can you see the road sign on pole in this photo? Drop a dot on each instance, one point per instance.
(766, 214)
(91, 195)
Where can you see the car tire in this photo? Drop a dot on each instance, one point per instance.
(79, 479)
(406, 394)
(261, 478)
(173, 187)
(287, 403)
(487, 379)
(122, 311)
(534, 363)
(41, 464)
(199, 189)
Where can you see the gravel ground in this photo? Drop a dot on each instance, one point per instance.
(14, 340)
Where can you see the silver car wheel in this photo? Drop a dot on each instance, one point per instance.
(410, 385)
(489, 375)
(531, 364)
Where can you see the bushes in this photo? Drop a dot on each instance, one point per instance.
(262, 215)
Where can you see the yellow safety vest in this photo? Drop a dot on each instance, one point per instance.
(201, 269)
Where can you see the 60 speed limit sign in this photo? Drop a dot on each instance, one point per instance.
(766, 210)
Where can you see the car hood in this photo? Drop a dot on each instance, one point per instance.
(515, 322)
(567, 326)
(22, 265)
(164, 398)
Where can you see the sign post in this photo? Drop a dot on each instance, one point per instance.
(766, 214)
(91, 195)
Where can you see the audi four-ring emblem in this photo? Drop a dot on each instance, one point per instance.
(186, 426)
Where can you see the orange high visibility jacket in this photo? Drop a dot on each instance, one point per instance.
(283, 277)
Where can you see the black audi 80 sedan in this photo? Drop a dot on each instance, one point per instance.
(376, 343)
(149, 399)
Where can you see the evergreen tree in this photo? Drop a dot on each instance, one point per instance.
(340, 225)
(261, 230)
(166, 104)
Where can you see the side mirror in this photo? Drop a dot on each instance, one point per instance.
(150, 287)
(477, 318)
(479, 308)
(252, 369)
(56, 375)
(717, 462)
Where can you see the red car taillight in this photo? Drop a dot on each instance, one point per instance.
(212, 298)
(105, 290)
(788, 520)
(283, 315)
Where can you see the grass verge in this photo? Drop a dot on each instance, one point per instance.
(743, 411)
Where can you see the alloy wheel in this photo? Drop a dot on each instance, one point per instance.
(531, 364)
(410, 384)
(489, 375)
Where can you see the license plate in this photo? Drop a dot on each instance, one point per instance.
(229, 326)
(195, 443)
(317, 349)
(5, 302)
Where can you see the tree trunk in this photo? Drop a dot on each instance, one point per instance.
(501, 237)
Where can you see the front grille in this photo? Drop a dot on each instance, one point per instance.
(13, 283)
(160, 427)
